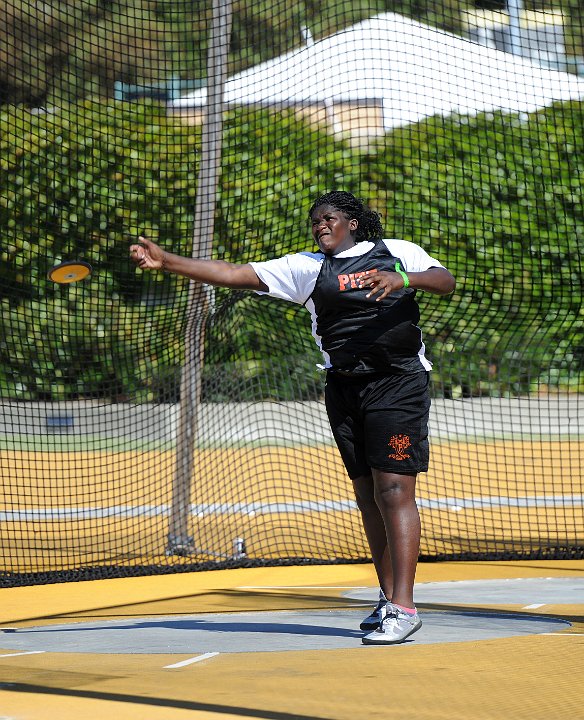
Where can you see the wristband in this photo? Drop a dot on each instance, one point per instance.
(399, 271)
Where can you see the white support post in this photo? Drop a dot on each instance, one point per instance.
(514, 8)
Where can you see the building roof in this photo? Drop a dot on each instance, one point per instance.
(415, 70)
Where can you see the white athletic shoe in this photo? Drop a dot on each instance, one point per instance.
(395, 626)
(372, 621)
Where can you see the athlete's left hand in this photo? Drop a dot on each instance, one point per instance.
(382, 282)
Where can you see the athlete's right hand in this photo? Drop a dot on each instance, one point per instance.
(147, 255)
(381, 283)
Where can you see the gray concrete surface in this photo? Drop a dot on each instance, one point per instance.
(313, 629)
(512, 591)
(260, 632)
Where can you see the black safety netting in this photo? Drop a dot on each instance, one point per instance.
(152, 425)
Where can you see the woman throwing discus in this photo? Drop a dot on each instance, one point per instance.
(360, 291)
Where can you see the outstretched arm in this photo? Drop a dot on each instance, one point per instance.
(147, 255)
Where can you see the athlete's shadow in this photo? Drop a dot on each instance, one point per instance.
(184, 625)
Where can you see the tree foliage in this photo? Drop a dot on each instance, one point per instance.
(60, 50)
(497, 198)
(63, 50)
(500, 197)
(82, 183)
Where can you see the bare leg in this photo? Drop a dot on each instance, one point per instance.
(375, 532)
(395, 498)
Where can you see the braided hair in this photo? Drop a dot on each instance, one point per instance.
(369, 223)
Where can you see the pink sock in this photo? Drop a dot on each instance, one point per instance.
(410, 611)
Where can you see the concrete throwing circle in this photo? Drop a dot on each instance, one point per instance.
(260, 632)
(511, 591)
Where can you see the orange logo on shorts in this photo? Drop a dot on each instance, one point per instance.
(399, 443)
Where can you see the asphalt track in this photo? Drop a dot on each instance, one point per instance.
(499, 640)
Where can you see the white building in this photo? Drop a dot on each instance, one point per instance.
(389, 71)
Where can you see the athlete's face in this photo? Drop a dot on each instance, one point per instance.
(332, 231)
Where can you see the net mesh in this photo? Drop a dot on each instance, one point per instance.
(461, 124)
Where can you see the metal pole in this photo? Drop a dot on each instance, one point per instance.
(180, 539)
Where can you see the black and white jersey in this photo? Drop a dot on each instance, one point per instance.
(355, 333)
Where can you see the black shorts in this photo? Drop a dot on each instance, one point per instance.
(380, 421)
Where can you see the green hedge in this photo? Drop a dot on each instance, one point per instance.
(501, 199)
(497, 198)
(83, 183)
(80, 183)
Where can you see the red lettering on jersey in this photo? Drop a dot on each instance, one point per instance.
(350, 280)
(344, 280)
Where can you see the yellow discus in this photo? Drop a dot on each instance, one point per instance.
(69, 272)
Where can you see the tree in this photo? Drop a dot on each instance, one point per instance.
(65, 49)
(62, 50)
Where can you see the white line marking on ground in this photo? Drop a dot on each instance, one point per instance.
(190, 661)
(534, 606)
(28, 652)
